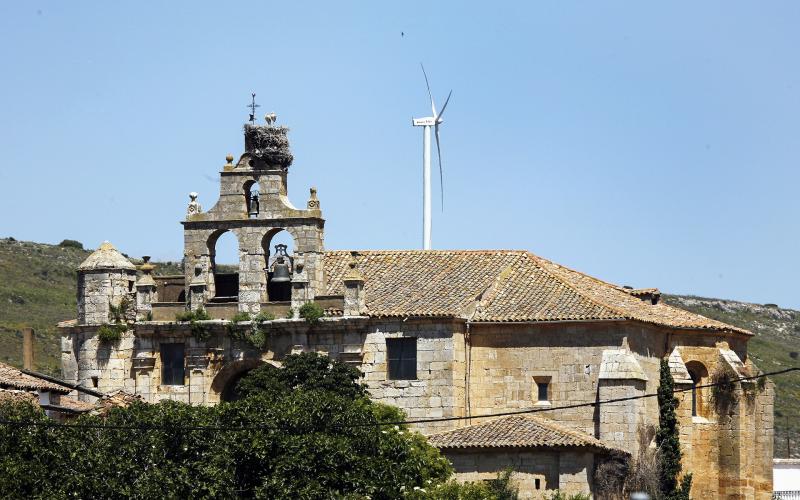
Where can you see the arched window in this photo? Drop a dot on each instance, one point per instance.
(280, 260)
(699, 376)
(224, 251)
(252, 194)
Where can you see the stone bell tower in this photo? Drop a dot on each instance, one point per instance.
(254, 216)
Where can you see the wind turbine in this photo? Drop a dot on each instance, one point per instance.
(431, 121)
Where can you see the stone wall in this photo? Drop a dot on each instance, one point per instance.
(537, 473)
(98, 289)
(480, 370)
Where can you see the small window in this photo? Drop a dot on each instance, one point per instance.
(172, 362)
(402, 356)
(542, 388)
(538, 483)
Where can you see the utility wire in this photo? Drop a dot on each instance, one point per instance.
(53, 424)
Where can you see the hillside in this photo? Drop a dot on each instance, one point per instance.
(38, 289)
(38, 283)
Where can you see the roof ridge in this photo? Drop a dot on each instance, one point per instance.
(577, 437)
(617, 288)
(458, 251)
(572, 287)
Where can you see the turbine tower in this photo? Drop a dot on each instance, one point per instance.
(431, 121)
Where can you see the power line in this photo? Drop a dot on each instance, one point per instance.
(53, 424)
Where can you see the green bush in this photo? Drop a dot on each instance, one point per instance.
(199, 315)
(264, 316)
(200, 332)
(111, 333)
(240, 316)
(71, 244)
(311, 312)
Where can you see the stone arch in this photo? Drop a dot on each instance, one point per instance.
(225, 381)
(222, 286)
(698, 397)
(252, 194)
(278, 292)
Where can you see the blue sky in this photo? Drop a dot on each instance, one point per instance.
(648, 145)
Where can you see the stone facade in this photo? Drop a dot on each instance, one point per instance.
(464, 368)
(535, 472)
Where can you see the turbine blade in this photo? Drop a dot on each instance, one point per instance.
(443, 107)
(433, 106)
(439, 155)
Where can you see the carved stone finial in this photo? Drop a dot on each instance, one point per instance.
(146, 266)
(194, 207)
(313, 202)
(353, 273)
(229, 165)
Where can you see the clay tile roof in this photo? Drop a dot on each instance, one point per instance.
(496, 285)
(106, 257)
(75, 404)
(12, 378)
(516, 431)
(116, 399)
(12, 396)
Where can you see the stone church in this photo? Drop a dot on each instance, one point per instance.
(441, 333)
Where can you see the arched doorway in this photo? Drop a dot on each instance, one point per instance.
(224, 384)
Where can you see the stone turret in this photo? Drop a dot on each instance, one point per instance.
(106, 278)
(254, 216)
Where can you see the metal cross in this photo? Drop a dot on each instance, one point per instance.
(253, 107)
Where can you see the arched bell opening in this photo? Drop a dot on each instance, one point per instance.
(223, 248)
(699, 375)
(252, 199)
(279, 256)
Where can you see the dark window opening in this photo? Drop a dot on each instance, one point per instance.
(402, 357)
(537, 483)
(130, 286)
(542, 388)
(227, 287)
(94, 381)
(172, 364)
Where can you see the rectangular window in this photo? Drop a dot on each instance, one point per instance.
(172, 364)
(542, 388)
(402, 356)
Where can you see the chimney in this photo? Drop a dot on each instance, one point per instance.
(27, 348)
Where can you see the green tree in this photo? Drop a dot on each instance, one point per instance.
(294, 435)
(307, 371)
(668, 440)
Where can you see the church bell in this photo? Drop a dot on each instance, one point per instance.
(281, 269)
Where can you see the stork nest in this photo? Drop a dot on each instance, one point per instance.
(268, 144)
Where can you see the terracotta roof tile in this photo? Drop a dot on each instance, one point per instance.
(516, 431)
(16, 396)
(11, 377)
(496, 285)
(75, 404)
